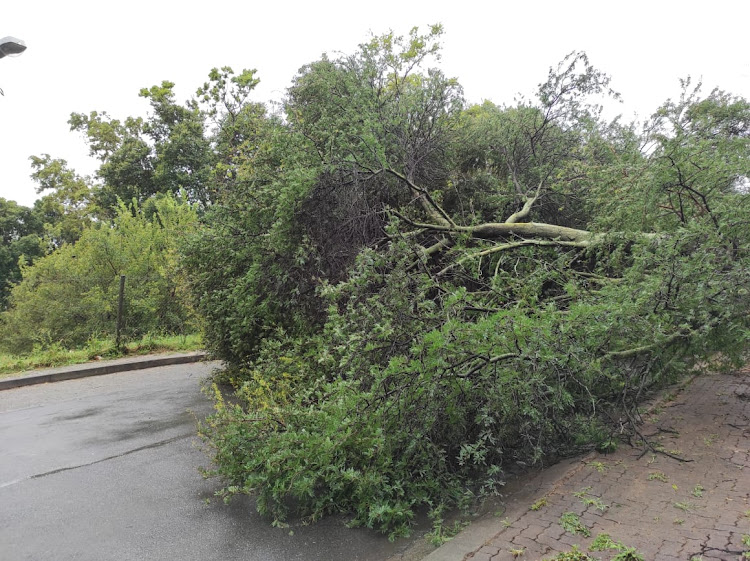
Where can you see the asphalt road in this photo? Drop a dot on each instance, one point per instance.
(106, 468)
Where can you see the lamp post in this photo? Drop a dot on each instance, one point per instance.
(10, 46)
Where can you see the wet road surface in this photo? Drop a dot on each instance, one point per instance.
(106, 468)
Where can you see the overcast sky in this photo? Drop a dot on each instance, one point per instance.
(84, 55)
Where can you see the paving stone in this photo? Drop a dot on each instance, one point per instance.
(555, 532)
(532, 531)
(670, 548)
(488, 550)
(718, 540)
(642, 513)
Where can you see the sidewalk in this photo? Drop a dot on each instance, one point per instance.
(98, 368)
(667, 509)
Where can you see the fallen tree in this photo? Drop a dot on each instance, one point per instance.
(416, 294)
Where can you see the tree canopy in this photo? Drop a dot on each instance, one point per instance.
(20, 240)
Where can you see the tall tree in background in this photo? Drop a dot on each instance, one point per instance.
(184, 148)
(180, 152)
(166, 153)
(127, 169)
(21, 233)
(67, 210)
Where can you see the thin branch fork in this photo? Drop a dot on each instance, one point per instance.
(527, 205)
(487, 361)
(428, 203)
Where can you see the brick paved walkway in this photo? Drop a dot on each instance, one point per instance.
(666, 509)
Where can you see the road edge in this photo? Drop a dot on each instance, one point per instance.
(85, 370)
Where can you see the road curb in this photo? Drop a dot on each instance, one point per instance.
(98, 369)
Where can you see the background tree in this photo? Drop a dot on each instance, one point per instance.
(68, 210)
(70, 295)
(21, 241)
(233, 121)
(127, 168)
(179, 148)
(180, 151)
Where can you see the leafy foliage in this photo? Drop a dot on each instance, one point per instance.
(20, 242)
(408, 345)
(67, 211)
(145, 164)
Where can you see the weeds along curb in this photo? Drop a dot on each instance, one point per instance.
(85, 370)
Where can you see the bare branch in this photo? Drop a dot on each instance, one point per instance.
(511, 245)
(497, 230)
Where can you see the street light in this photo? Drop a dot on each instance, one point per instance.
(11, 46)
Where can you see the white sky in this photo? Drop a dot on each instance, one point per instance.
(86, 55)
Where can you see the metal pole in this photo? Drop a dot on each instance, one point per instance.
(11, 46)
(120, 305)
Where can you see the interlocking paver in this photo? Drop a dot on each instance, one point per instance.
(667, 508)
(532, 531)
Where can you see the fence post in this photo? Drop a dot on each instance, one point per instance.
(120, 305)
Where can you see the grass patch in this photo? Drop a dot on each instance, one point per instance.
(628, 554)
(573, 525)
(588, 499)
(605, 542)
(574, 554)
(539, 504)
(14, 365)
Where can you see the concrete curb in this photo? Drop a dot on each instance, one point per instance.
(76, 371)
